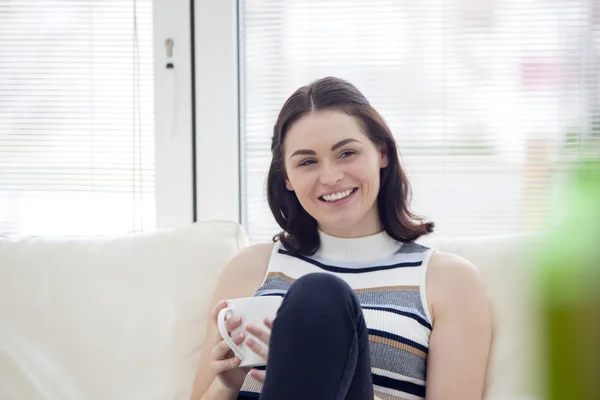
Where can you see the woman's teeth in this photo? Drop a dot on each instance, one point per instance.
(337, 196)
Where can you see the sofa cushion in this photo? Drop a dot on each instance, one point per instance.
(108, 318)
(508, 267)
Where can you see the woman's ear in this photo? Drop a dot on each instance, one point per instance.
(383, 159)
(288, 185)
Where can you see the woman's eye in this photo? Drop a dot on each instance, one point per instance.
(347, 153)
(306, 163)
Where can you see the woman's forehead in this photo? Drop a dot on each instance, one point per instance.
(322, 129)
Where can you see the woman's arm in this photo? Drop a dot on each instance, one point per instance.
(241, 277)
(460, 341)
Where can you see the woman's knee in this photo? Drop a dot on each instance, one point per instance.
(321, 283)
(318, 303)
(321, 290)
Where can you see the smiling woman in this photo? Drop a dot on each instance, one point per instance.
(366, 312)
(338, 147)
(338, 184)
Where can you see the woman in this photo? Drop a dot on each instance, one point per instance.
(367, 312)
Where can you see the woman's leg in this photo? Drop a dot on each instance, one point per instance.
(319, 345)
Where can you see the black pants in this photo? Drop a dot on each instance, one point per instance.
(319, 345)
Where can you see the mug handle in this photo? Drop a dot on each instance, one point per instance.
(225, 335)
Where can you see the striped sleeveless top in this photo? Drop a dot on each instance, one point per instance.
(388, 278)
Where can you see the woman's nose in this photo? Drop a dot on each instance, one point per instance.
(330, 174)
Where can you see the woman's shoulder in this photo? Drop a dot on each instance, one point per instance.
(251, 259)
(451, 265)
(452, 281)
(257, 250)
(244, 272)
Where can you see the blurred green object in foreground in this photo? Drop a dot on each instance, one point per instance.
(570, 295)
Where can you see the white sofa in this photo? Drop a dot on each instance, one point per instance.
(124, 318)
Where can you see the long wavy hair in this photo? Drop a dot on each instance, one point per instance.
(299, 229)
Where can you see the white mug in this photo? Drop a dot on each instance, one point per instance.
(253, 310)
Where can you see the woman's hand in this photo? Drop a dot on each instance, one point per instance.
(223, 363)
(260, 347)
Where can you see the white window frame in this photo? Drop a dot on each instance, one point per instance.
(218, 155)
(205, 102)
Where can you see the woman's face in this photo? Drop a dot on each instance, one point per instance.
(333, 167)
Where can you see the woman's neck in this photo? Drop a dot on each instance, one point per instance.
(357, 249)
(371, 226)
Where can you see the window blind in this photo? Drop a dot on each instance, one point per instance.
(492, 102)
(76, 117)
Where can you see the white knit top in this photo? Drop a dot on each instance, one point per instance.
(388, 278)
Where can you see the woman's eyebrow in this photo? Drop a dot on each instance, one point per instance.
(342, 143)
(306, 152)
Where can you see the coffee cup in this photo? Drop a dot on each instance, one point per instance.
(252, 310)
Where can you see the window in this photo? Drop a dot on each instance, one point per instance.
(491, 102)
(76, 117)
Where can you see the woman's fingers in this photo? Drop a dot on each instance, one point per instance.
(269, 323)
(221, 366)
(220, 305)
(261, 334)
(262, 349)
(258, 375)
(258, 348)
(221, 350)
(231, 323)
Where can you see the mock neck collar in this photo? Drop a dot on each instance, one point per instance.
(362, 249)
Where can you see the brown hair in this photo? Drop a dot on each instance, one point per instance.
(300, 234)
